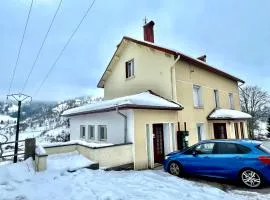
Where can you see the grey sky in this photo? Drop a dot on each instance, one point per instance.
(235, 35)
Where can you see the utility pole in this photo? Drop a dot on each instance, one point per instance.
(19, 98)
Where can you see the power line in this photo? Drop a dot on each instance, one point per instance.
(41, 47)
(20, 47)
(64, 48)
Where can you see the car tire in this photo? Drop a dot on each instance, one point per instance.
(175, 168)
(251, 178)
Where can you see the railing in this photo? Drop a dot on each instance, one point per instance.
(28, 149)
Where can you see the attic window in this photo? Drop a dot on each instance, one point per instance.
(130, 68)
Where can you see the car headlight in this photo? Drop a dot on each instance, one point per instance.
(166, 157)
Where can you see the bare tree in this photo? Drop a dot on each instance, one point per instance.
(255, 102)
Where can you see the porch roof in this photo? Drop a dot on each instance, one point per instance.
(144, 100)
(227, 114)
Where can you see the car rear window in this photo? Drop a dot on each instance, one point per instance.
(231, 148)
(264, 148)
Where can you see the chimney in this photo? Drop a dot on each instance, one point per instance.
(148, 32)
(202, 58)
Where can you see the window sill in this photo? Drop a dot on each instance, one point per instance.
(198, 107)
(131, 77)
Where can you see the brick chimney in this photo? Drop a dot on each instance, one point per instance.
(202, 58)
(148, 32)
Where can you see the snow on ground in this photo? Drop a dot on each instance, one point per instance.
(67, 161)
(17, 182)
(6, 118)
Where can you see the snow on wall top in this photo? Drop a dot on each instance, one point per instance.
(229, 114)
(144, 99)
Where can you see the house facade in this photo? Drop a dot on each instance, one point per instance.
(206, 99)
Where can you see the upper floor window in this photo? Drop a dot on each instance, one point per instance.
(231, 102)
(216, 96)
(197, 96)
(130, 68)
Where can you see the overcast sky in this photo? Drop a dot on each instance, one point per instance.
(235, 35)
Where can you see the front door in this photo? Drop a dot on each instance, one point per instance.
(158, 143)
(220, 131)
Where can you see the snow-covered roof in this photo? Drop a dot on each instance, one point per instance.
(142, 100)
(228, 114)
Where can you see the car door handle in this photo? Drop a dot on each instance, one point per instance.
(206, 156)
(238, 157)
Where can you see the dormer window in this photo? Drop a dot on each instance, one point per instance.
(130, 68)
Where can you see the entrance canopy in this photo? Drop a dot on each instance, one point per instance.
(227, 114)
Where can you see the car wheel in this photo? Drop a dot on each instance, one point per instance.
(251, 178)
(175, 169)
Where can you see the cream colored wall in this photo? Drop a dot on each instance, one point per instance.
(152, 72)
(141, 118)
(186, 76)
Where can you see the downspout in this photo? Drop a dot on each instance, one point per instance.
(173, 81)
(125, 124)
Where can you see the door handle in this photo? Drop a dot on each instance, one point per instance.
(238, 157)
(206, 156)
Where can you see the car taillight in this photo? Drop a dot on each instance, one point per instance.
(264, 159)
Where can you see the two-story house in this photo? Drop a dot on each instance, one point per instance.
(152, 92)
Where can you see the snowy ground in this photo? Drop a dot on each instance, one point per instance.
(20, 182)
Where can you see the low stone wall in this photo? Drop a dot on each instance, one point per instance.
(106, 156)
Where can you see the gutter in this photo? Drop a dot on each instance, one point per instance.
(125, 124)
(173, 81)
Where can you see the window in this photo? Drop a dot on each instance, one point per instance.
(236, 130)
(82, 132)
(197, 96)
(264, 148)
(102, 133)
(130, 68)
(231, 101)
(205, 148)
(216, 95)
(200, 131)
(231, 148)
(91, 132)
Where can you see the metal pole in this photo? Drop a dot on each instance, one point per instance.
(17, 132)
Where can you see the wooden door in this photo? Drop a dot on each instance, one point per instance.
(158, 143)
(220, 131)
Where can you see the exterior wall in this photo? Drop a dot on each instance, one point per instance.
(109, 156)
(186, 76)
(151, 70)
(113, 121)
(141, 119)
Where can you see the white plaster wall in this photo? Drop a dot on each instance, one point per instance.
(113, 121)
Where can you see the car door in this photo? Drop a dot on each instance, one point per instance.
(196, 160)
(228, 159)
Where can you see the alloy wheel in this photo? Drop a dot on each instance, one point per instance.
(174, 169)
(251, 178)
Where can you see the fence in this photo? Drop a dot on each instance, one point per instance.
(27, 149)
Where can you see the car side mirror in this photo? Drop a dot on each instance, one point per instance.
(194, 153)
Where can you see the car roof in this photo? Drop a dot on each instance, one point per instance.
(236, 141)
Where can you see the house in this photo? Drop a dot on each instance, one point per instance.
(152, 93)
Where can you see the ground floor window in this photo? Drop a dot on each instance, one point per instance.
(82, 131)
(102, 132)
(91, 132)
(200, 131)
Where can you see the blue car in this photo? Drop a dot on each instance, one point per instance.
(247, 161)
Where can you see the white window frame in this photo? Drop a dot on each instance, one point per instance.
(202, 131)
(197, 96)
(105, 133)
(231, 101)
(81, 131)
(216, 98)
(130, 69)
(89, 133)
